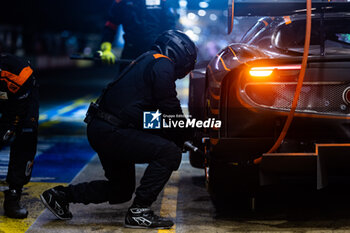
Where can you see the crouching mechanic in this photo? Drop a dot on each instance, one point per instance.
(19, 108)
(115, 131)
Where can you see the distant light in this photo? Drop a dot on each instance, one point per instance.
(87, 51)
(213, 17)
(202, 12)
(192, 16)
(197, 30)
(192, 35)
(183, 3)
(186, 22)
(203, 5)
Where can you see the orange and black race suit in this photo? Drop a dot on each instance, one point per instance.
(19, 109)
(143, 21)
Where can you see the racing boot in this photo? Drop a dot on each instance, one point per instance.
(12, 207)
(145, 218)
(56, 200)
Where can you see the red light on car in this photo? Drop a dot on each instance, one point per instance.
(267, 71)
(346, 95)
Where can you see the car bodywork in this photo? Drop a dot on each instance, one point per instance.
(250, 87)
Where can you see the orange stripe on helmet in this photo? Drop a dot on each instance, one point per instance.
(14, 82)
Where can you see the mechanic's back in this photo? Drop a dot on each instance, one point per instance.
(147, 85)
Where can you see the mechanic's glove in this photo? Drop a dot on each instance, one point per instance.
(107, 55)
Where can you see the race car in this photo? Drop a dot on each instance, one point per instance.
(250, 87)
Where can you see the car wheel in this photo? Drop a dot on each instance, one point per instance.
(196, 160)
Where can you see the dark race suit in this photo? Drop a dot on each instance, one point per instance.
(148, 86)
(19, 108)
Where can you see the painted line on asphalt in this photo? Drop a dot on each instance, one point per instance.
(30, 199)
(42, 147)
(37, 216)
(52, 116)
(169, 200)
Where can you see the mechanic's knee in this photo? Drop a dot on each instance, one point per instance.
(170, 156)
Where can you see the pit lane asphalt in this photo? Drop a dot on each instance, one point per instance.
(185, 199)
(283, 208)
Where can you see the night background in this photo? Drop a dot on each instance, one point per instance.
(56, 28)
(47, 32)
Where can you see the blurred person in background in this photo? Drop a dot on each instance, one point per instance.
(142, 20)
(19, 109)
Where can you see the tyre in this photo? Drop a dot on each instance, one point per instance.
(196, 160)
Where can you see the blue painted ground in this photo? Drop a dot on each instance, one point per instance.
(63, 161)
(58, 160)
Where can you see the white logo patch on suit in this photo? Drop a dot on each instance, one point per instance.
(3, 96)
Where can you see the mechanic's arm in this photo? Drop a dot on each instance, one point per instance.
(110, 29)
(165, 95)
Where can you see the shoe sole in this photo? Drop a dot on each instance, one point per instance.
(52, 211)
(144, 227)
